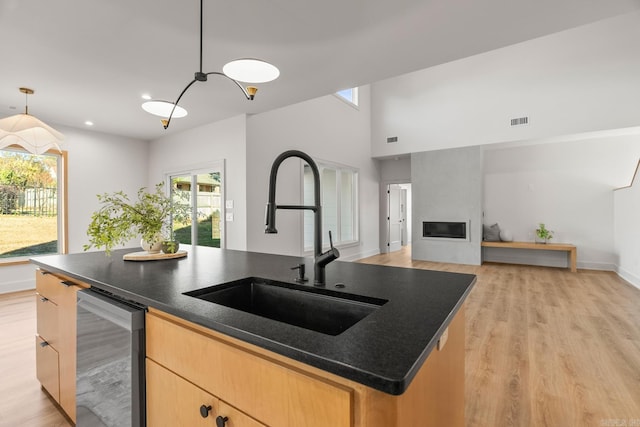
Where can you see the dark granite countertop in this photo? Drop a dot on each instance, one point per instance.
(383, 351)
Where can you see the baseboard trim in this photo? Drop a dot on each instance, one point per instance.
(631, 278)
(360, 255)
(590, 265)
(20, 285)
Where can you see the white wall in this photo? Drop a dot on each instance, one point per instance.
(566, 185)
(580, 80)
(200, 147)
(627, 231)
(327, 129)
(97, 163)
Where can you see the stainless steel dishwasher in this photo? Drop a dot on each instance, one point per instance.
(110, 361)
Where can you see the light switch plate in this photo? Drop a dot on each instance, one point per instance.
(228, 204)
(229, 216)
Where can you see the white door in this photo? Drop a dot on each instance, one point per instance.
(403, 216)
(394, 197)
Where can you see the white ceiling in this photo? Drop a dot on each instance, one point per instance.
(93, 59)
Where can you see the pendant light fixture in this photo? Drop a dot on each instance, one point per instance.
(28, 132)
(248, 70)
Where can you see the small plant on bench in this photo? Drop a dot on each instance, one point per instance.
(543, 233)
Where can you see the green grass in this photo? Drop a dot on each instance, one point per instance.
(24, 235)
(183, 234)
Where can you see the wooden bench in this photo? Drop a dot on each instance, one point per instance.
(571, 250)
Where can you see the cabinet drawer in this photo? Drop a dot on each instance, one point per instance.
(51, 286)
(235, 417)
(174, 401)
(47, 320)
(268, 391)
(47, 368)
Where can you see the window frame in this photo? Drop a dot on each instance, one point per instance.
(355, 95)
(212, 167)
(63, 219)
(337, 240)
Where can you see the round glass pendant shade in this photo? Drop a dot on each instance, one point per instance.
(251, 70)
(163, 109)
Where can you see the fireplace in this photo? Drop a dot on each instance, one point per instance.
(449, 230)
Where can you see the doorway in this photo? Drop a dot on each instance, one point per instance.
(398, 216)
(203, 190)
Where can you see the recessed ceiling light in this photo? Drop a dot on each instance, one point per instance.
(146, 96)
(88, 123)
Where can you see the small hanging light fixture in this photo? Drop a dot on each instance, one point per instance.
(28, 132)
(248, 70)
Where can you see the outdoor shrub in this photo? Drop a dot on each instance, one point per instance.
(8, 198)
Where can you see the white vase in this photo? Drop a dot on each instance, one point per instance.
(152, 247)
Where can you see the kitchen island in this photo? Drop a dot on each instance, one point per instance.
(369, 369)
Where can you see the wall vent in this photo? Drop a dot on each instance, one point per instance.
(392, 139)
(520, 121)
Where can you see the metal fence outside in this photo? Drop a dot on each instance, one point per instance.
(37, 201)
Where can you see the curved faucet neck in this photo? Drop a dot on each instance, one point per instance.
(317, 210)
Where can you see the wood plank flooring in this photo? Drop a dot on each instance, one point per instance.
(22, 402)
(544, 347)
(547, 347)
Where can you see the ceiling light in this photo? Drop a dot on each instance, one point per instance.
(163, 109)
(251, 70)
(146, 96)
(28, 132)
(246, 70)
(88, 123)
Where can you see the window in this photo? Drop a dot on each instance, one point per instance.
(32, 209)
(202, 189)
(349, 95)
(339, 199)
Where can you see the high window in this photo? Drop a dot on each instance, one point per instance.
(349, 95)
(339, 199)
(202, 189)
(32, 204)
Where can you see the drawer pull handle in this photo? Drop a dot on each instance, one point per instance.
(204, 411)
(44, 344)
(44, 299)
(66, 283)
(221, 421)
(44, 273)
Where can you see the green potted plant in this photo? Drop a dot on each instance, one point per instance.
(543, 233)
(119, 219)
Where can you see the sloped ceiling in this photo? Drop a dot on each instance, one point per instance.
(92, 60)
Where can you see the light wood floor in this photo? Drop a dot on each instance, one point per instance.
(545, 347)
(22, 402)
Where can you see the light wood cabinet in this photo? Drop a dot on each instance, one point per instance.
(174, 401)
(56, 339)
(257, 386)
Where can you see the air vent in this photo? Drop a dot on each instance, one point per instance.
(392, 139)
(520, 121)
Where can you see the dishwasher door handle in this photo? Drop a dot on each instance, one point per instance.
(127, 317)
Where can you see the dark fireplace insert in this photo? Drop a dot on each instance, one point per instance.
(447, 230)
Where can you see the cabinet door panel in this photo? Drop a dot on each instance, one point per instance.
(237, 418)
(48, 285)
(173, 401)
(267, 391)
(47, 367)
(47, 320)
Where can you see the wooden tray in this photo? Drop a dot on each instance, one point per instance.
(146, 256)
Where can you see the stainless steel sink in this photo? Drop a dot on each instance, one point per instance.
(319, 310)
